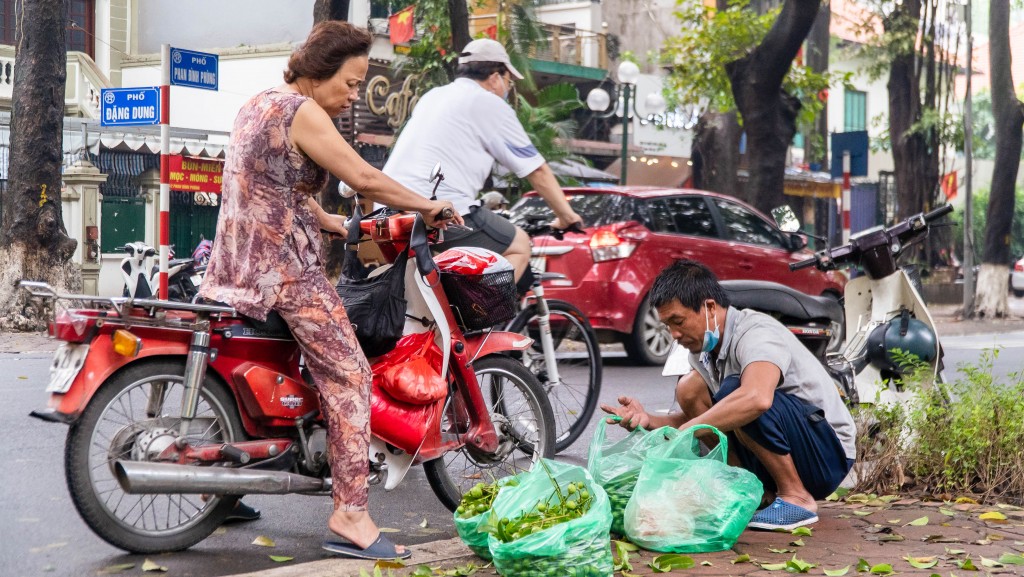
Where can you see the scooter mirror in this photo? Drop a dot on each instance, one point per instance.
(345, 191)
(786, 218)
(435, 172)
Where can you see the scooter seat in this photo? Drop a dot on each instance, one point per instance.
(273, 327)
(781, 299)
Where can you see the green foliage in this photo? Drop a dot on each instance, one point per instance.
(963, 437)
(548, 119)
(980, 208)
(710, 39)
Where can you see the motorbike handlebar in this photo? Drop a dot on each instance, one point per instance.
(809, 262)
(938, 213)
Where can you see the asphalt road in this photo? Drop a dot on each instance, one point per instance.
(42, 535)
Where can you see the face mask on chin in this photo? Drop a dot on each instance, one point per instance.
(710, 337)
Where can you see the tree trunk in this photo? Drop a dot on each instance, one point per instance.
(715, 153)
(324, 10)
(458, 16)
(915, 153)
(330, 200)
(769, 113)
(1008, 117)
(34, 243)
(816, 58)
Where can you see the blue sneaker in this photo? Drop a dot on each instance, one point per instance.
(783, 516)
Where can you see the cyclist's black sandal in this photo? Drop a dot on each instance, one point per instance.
(242, 513)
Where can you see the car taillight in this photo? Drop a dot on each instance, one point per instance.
(1019, 266)
(607, 245)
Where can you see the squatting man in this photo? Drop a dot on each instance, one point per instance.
(753, 380)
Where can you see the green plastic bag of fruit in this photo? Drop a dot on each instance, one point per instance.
(473, 512)
(686, 502)
(615, 464)
(554, 522)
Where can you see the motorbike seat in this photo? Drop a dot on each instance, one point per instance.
(176, 261)
(273, 327)
(788, 302)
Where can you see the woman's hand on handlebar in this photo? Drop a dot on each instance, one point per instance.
(441, 214)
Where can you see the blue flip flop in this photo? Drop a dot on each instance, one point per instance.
(783, 516)
(380, 549)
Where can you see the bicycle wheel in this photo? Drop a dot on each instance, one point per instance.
(574, 397)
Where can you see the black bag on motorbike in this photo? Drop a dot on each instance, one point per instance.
(375, 306)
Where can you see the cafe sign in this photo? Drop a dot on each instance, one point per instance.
(396, 105)
(190, 174)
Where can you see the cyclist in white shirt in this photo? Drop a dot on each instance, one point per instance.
(467, 126)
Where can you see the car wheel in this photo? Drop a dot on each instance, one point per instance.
(650, 341)
(1018, 293)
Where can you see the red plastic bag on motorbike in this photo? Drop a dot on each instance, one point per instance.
(409, 373)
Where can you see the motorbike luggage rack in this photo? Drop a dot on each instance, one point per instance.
(121, 305)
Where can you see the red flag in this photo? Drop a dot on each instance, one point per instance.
(400, 26)
(492, 31)
(949, 185)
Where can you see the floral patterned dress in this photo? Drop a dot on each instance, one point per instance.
(267, 256)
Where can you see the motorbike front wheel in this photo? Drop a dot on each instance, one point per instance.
(524, 422)
(135, 415)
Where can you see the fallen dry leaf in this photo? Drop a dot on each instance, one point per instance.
(264, 541)
(148, 565)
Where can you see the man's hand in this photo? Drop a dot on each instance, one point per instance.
(565, 221)
(631, 411)
(440, 214)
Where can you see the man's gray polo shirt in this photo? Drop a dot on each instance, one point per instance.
(749, 336)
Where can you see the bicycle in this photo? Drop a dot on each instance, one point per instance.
(565, 355)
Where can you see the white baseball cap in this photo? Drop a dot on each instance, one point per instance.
(487, 50)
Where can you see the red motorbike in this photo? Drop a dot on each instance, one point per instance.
(176, 409)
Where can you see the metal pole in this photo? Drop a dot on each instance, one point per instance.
(968, 263)
(845, 209)
(165, 166)
(625, 132)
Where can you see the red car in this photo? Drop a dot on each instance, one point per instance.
(635, 232)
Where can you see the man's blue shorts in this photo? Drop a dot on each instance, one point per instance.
(796, 428)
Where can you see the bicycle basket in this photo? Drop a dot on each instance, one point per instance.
(480, 285)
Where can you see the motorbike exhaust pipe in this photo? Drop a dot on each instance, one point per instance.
(142, 477)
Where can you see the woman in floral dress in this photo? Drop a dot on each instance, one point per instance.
(267, 254)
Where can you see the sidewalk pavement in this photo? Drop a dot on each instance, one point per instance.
(864, 537)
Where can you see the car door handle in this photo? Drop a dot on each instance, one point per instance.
(746, 265)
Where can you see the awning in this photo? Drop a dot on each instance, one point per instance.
(148, 144)
(654, 170)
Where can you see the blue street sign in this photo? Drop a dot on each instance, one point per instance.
(856, 143)
(130, 106)
(194, 69)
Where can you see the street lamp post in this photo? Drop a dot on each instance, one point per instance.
(598, 100)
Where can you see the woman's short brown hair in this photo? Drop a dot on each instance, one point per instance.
(326, 49)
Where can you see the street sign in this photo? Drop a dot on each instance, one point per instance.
(130, 106)
(856, 143)
(194, 69)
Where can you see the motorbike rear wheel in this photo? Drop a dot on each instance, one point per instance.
(134, 416)
(525, 424)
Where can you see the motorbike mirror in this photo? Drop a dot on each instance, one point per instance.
(435, 174)
(786, 218)
(345, 190)
(797, 242)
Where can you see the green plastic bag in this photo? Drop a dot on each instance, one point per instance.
(576, 548)
(688, 503)
(615, 465)
(470, 529)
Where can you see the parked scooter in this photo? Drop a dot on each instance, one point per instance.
(167, 401)
(142, 279)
